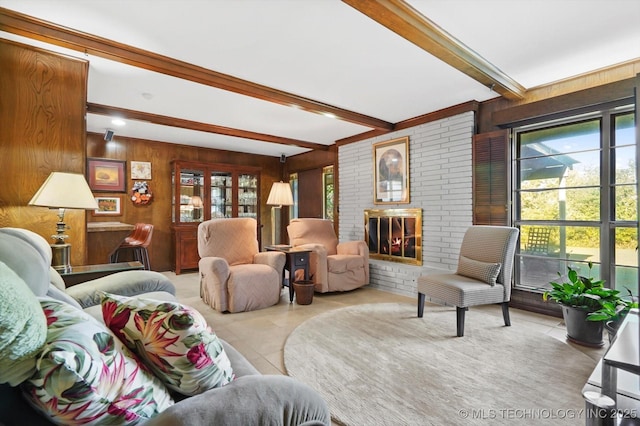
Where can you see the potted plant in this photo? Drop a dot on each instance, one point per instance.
(586, 305)
(614, 314)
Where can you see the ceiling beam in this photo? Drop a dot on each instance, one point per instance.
(48, 32)
(195, 125)
(404, 20)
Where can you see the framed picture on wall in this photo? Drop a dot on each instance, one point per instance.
(391, 171)
(108, 206)
(140, 170)
(106, 175)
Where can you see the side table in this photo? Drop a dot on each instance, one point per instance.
(297, 259)
(80, 274)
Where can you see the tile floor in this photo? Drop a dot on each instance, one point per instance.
(260, 335)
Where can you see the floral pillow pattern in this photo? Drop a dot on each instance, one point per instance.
(85, 375)
(173, 340)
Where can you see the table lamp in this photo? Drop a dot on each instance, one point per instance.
(279, 196)
(198, 204)
(63, 191)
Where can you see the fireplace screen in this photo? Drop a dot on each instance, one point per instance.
(394, 234)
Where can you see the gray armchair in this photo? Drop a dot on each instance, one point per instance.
(483, 276)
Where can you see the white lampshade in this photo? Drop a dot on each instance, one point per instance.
(65, 190)
(280, 195)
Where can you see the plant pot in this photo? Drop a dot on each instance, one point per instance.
(304, 292)
(580, 330)
(612, 328)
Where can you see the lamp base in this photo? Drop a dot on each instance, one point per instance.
(61, 259)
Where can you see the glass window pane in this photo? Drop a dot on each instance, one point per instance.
(626, 278)
(561, 204)
(191, 183)
(625, 202)
(626, 241)
(577, 169)
(625, 171)
(560, 139)
(247, 195)
(624, 130)
(579, 243)
(221, 195)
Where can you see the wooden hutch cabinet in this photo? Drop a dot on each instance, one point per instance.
(203, 191)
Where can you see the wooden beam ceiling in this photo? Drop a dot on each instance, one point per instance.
(194, 125)
(27, 26)
(404, 20)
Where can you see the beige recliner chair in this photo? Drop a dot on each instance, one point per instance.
(333, 266)
(234, 275)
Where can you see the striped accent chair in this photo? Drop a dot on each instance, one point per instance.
(483, 276)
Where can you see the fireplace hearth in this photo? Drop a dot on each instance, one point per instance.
(394, 234)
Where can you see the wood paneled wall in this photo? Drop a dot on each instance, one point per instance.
(309, 166)
(158, 212)
(42, 129)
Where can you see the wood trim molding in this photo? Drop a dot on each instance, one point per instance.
(195, 125)
(416, 121)
(404, 20)
(579, 100)
(48, 32)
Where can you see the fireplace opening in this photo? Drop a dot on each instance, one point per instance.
(394, 234)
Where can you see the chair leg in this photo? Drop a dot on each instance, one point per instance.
(460, 320)
(420, 305)
(505, 314)
(147, 261)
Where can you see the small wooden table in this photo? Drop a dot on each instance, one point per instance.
(297, 259)
(80, 274)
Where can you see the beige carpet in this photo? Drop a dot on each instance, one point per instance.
(378, 364)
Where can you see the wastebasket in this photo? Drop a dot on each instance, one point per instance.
(304, 292)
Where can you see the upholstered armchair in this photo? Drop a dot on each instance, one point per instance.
(483, 276)
(333, 266)
(234, 275)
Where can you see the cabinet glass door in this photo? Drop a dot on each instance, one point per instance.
(221, 195)
(248, 195)
(191, 195)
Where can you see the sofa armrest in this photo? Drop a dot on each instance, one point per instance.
(127, 283)
(250, 400)
(214, 275)
(353, 247)
(275, 259)
(359, 248)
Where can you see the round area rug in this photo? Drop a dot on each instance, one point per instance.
(378, 364)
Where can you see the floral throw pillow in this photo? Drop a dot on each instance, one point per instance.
(173, 340)
(85, 375)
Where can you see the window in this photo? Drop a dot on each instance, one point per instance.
(575, 199)
(327, 193)
(293, 181)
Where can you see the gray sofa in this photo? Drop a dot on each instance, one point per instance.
(251, 399)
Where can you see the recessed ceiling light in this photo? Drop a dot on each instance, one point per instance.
(118, 122)
(328, 114)
(148, 96)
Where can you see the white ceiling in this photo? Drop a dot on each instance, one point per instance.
(327, 51)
